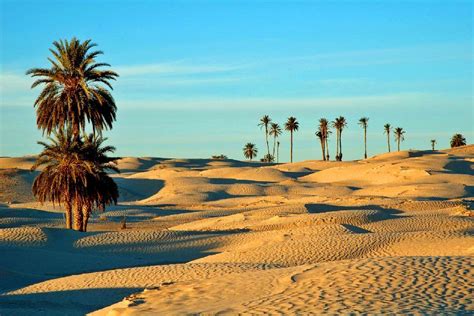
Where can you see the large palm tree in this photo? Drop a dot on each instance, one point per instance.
(275, 131)
(399, 136)
(458, 140)
(319, 134)
(250, 151)
(364, 123)
(433, 143)
(65, 175)
(386, 130)
(264, 123)
(324, 128)
(339, 124)
(76, 89)
(291, 125)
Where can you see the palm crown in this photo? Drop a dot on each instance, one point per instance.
(292, 124)
(250, 151)
(75, 89)
(458, 140)
(399, 134)
(364, 122)
(275, 130)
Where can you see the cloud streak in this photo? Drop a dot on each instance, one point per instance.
(275, 103)
(175, 68)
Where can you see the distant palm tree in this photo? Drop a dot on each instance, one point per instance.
(264, 122)
(387, 129)
(278, 151)
(65, 175)
(364, 122)
(324, 128)
(458, 140)
(250, 151)
(339, 124)
(433, 143)
(291, 125)
(275, 131)
(399, 136)
(320, 136)
(75, 89)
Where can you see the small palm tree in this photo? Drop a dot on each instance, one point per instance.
(319, 134)
(75, 89)
(75, 176)
(65, 175)
(458, 140)
(324, 128)
(386, 130)
(102, 190)
(291, 125)
(264, 122)
(433, 143)
(250, 151)
(364, 122)
(275, 131)
(399, 136)
(339, 124)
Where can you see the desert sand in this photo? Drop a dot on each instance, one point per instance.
(389, 234)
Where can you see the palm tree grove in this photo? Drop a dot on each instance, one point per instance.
(75, 96)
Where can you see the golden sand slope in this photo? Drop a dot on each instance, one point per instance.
(384, 285)
(390, 234)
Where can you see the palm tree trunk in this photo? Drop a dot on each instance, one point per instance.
(278, 153)
(291, 147)
(323, 150)
(327, 147)
(340, 145)
(337, 144)
(86, 212)
(77, 224)
(68, 212)
(274, 143)
(365, 142)
(388, 141)
(398, 142)
(266, 139)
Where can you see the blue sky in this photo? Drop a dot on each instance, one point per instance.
(196, 76)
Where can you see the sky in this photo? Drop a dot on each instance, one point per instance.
(196, 76)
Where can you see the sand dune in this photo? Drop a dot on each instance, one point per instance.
(404, 285)
(389, 234)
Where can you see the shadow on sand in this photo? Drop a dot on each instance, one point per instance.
(71, 302)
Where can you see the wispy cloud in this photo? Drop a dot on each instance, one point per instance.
(175, 68)
(275, 103)
(395, 55)
(12, 82)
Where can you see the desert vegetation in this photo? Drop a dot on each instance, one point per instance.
(458, 140)
(75, 96)
(250, 151)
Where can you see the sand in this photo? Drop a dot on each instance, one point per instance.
(389, 234)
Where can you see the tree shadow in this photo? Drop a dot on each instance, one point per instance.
(235, 181)
(133, 189)
(69, 302)
(315, 208)
(461, 166)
